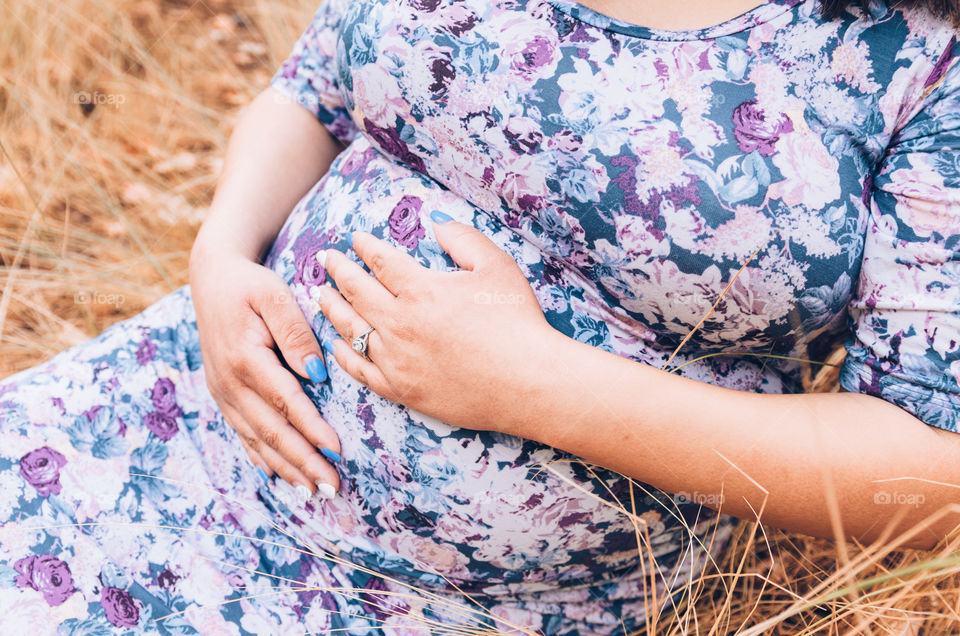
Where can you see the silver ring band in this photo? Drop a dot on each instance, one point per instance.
(360, 343)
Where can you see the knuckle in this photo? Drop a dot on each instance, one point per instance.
(347, 288)
(280, 405)
(242, 368)
(252, 442)
(271, 438)
(362, 376)
(299, 463)
(281, 401)
(376, 264)
(297, 335)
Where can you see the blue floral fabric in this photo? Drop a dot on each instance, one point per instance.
(777, 184)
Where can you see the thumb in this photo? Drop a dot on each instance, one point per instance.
(465, 244)
(292, 333)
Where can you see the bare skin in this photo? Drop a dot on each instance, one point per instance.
(818, 464)
(677, 15)
(277, 152)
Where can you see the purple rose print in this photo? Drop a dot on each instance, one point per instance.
(380, 606)
(163, 426)
(164, 398)
(307, 271)
(535, 54)
(386, 138)
(389, 140)
(46, 574)
(405, 227)
(755, 130)
(120, 607)
(354, 162)
(167, 579)
(146, 351)
(41, 469)
(443, 73)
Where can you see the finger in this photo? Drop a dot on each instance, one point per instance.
(466, 245)
(393, 268)
(299, 464)
(361, 370)
(248, 438)
(255, 458)
(349, 325)
(292, 334)
(360, 289)
(347, 321)
(278, 388)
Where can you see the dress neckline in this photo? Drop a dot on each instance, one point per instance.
(747, 20)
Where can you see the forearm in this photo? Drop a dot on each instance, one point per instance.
(277, 152)
(779, 453)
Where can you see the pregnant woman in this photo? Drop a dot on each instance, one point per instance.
(544, 267)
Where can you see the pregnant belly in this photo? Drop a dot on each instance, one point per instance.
(427, 501)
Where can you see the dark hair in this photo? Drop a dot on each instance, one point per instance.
(940, 8)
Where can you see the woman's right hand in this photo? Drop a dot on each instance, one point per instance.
(245, 314)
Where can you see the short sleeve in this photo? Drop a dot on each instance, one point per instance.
(904, 345)
(310, 75)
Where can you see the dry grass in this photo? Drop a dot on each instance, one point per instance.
(99, 207)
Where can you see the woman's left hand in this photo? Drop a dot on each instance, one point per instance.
(466, 347)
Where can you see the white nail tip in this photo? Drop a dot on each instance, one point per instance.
(303, 493)
(325, 491)
(322, 258)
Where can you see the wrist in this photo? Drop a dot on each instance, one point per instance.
(544, 388)
(210, 249)
(214, 241)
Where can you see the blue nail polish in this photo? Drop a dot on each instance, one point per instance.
(328, 347)
(331, 455)
(263, 475)
(440, 217)
(315, 369)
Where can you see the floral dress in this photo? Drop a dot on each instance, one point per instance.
(778, 184)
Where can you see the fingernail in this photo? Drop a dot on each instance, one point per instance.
(263, 475)
(315, 368)
(303, 493)
(325, 491)
(440, 217)
(327, 346)
(322, 258)
(333, 456)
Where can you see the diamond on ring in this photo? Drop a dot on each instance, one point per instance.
(360, 343)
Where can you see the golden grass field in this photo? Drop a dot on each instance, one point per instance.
(114, 117)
